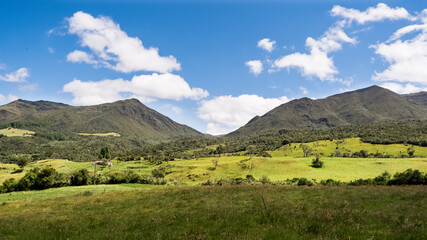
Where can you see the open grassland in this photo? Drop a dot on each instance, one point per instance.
(15, 132)
(286, 163)
(327, 147)
(228, 212)
(192, 172)
(100, 134)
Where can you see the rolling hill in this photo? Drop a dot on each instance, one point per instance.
(129, 118)
(369, 105)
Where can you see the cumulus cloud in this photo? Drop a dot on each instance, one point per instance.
(147, 88)
(78, 56)
(224, 114)
(407, 58)
(255, 67)
(18, 76)
(113, 48)
(266, 44)
(317, 63)
(402, 88)
(8, 98)
(373, 14)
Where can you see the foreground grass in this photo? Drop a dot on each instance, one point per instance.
(232, 212)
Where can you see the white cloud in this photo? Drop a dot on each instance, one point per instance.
(78, 56)
(255, 66)
(113, 48)
(8, 98)
(266, 44)
(407, 58)
(51, 50)
(317, 63)
(372, 14)
(176, 109)
(2, 66)
(303, 90)
(18, 76)
(224, 114)
(402, 88)
(147, 88)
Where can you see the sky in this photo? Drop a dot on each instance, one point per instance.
(212, 65)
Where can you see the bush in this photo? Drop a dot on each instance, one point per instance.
(305, 182)
(265, 180)
(80, 177)
(157, 173)
(316, 163)
(409, 177)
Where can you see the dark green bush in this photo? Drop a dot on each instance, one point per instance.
(316, 163)
(80, 177)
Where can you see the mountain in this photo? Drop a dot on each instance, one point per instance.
(130, 118)
(417, 98)
(369, 105)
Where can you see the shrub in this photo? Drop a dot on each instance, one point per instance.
(157, 173)
(316, 163)
(80, 177)
(305, 182)
(330, 182)
(409, 177)
(265, 180)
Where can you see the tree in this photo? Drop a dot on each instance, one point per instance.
(215, 162)
(105, 153)
(22, 162)
(306, 150)
(411, 151)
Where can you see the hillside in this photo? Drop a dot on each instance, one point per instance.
(369, 105)
(129, 118)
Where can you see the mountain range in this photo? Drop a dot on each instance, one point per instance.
(369, 105)
(132, 119)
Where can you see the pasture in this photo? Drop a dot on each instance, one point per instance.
(100, 134)
(15, 132)
(227, 212)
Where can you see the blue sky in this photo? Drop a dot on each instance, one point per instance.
(212, 65)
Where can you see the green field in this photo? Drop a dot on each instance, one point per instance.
(231, 212)
(287, 163)
(15, 132)
(100, 134)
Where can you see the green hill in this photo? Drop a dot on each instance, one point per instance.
(129, 118)
(364, 106)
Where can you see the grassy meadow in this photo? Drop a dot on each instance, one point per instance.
(15, 132)
(286, 163)
(100, 134)
(227, 212)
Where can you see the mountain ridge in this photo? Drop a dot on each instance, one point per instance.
(367, 105)
(129, 118)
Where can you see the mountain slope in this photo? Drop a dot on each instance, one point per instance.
(417, 98)
(368, 105)
(129, 118)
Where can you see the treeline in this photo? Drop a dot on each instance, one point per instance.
(25, 124)
(39, 179)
